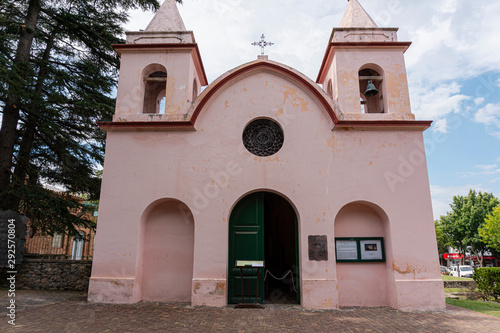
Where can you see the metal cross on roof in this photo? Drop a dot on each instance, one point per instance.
(262, 43)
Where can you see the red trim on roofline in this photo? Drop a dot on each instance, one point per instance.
(332, 45)
(160, 125)
(187, 46)
(417, 124)
(257, 65)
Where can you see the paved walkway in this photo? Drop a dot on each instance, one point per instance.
(42, 311)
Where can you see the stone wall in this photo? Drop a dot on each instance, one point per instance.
(49, 274)
(460, 284)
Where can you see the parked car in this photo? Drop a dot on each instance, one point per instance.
(465, 271)
(444, 270)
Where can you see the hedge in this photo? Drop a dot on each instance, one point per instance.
(488, 281)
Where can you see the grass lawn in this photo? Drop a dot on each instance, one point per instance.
(453, 278)
(456, 290)
(489, 308)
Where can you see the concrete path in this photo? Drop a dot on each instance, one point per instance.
(43, 311)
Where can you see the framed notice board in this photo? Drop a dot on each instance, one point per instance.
(359, 249)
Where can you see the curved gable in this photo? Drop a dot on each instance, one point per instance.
(255, 66)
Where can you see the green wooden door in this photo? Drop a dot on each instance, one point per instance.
(246, 242)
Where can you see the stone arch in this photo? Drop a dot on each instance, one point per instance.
(363, 283)
(167, 242)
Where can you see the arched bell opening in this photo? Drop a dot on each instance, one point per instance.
(329, 88)
(371, 88)
(155, 85)
(195, 90)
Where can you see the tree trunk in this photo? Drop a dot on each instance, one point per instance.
(22, 168)
(461, 251)
(8, 131)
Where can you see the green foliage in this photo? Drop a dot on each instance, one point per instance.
(461, 225)
(441, 238)
(490, 231)
(488, 281)
(61, 92)
(46, 209)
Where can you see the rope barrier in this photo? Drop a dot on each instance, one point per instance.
(289, 272)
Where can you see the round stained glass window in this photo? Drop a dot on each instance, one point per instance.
(263, 137)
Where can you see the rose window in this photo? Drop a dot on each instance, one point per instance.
(263, 137)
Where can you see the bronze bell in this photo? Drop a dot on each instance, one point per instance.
(370, 89)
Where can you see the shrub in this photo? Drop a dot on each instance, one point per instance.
(488, 281)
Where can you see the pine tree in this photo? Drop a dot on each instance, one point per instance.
(58, 73)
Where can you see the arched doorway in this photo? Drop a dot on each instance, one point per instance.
(263, 226)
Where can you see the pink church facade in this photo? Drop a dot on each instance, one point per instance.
(324, 180)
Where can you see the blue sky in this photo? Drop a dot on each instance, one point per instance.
(453, 68)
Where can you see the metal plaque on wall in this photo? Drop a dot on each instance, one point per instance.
(318, 248)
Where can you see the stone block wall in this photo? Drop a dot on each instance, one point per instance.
(49, 274)
(460, 284)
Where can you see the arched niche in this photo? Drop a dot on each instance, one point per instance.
(168, 251)
(362, 283)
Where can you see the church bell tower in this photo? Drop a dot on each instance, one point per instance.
(161, 71)
(364, 69)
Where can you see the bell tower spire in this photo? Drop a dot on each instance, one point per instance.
(356, 16)
(167, 18)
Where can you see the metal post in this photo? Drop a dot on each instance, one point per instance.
(257, 291)
(241, 274)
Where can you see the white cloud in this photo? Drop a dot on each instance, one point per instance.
(479, 100)
(441, 126)
(486, 166)
(442, 197)
(489, 115)
(437, 103)
(452, 42)
(487, 170)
